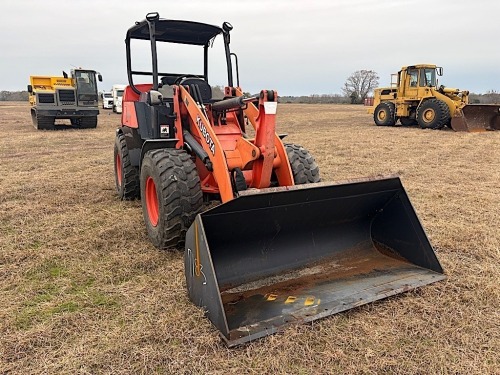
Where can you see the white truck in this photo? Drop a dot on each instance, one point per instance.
(117, 92)
(107, 100)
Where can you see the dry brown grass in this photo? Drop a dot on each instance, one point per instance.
(83, 291)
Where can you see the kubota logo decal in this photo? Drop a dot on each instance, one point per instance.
(205, 134)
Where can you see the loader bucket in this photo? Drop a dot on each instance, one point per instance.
(291, 255)
(476, 118)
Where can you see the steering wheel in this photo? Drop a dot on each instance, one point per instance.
(180, 78)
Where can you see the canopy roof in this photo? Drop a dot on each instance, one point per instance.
(175, 31)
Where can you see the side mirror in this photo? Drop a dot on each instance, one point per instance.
(439, 71)
(30, 89)
(99, 77)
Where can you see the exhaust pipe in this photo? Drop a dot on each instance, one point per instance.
(291, 255)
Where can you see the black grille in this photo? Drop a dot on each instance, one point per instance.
(45, 98)
(66, 96)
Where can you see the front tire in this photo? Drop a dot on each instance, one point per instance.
(384, 114)
(304, 167)
(171, 196)
(433, 114)
(126, 175)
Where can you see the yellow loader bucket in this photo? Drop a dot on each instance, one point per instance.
(476, 118)
(292, 255)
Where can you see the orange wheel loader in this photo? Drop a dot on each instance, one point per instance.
(280, 247)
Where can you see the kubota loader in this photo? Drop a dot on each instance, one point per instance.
(415, 98)
(281, 247)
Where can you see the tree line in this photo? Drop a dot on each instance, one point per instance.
(13, 96)
(352, 97)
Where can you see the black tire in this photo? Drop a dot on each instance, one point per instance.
(304, 167)
(88, 122)
(384, 114)
(433, 114)
(171, 196)
(126, 175)
(408, 121)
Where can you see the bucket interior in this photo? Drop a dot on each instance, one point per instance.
(478, 117)
(305, 254)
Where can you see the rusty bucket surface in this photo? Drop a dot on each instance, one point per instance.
(290, 255)
(476, 118)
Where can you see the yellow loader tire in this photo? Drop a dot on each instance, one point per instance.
(433, 114)
(384, 114)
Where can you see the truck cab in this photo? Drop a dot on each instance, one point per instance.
(107, 100)
(117, 93)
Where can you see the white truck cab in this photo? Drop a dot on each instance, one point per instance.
(117, 92)
(107, 100)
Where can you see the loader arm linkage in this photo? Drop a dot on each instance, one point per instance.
(256, 158)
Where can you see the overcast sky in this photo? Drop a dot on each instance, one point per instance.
(296, 47)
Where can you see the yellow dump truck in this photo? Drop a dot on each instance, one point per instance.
(73, 98)
(415, 98)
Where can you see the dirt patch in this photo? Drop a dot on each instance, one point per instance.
(354, 262)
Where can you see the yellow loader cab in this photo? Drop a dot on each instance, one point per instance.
(415, 98)
(72, 98)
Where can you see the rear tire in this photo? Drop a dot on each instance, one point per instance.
(384, 114)
(126, 175)
(304, 167)
(433, 114)
(171, 196)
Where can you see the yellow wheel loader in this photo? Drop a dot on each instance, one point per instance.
(415, 98)
(279, 247)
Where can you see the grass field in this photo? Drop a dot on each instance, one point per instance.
(82, 291)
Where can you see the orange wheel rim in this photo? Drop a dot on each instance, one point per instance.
(382, 115)
(118, 163)
(152, 202)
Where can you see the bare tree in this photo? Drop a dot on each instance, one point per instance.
(359, 84)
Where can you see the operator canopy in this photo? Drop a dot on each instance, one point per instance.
(174, 31)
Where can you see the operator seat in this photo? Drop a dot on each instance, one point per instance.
(166, 87)
(205, 89)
